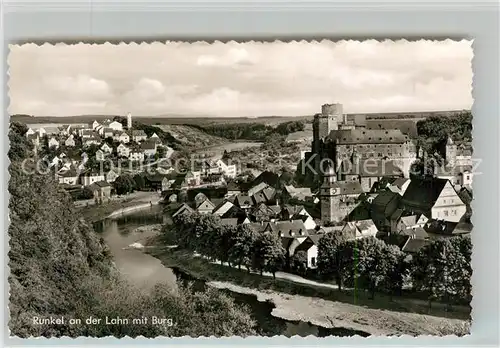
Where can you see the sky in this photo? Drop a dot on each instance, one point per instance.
(239, 79)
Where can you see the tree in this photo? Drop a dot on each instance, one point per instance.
(20, 147)
(330, 257)
(438, 268)
(124, 184)
(299, 262)
(223, 240)
(140, 183)
(268, 254)
(242, 242)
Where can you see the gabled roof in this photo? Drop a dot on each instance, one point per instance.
(257, 188)
(413, 245)
(232, 187)
(259, 197)
(423, 193)
(148, 145)
(205, 204)
(399, 182)
(243, 201)
(269, 193)
(270, 178)
(183, 208)
(294, 228)
(298, 192)
(71, 173)
(416, 232)
(447, 228)
(368, 136)
(222, 207)
(139, 132)
(370, 167)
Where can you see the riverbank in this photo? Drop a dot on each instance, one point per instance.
(319, 305)
(135, 201)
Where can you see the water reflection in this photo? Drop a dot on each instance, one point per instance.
(138, 267)
(146, 271)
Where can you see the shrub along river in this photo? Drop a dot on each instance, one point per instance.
(146, 271)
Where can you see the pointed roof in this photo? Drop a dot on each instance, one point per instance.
(449, 141)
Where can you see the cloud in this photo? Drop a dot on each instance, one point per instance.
(80, 87)
(240, 79)
(232, 58)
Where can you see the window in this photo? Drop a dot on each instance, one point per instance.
(446, 213)
(313, 261)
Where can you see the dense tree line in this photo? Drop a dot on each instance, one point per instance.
(236, 245)
(59, 267)
(441, 269)
(250, 131)
(434, 131)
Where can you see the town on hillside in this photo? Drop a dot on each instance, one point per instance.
(365, 189)
(241, 189)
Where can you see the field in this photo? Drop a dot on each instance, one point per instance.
(181, 119)
(192, 137)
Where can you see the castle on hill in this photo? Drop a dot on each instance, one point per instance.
(350, 159)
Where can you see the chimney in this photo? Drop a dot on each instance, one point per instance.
(345, 118)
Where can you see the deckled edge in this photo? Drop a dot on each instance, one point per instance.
(232, 41)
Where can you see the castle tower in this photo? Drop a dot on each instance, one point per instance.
(327, 121)
(451, 152)
(129, 121)
(329, 197)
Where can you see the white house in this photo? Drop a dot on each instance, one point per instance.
(107, 132)
(111, 176)
(41, 131)
(100, 155)
(87, 133)
(435, 198)
(115, 125)
(138, 136)
(30, 131)
(310, 247)
(136, 155)
(168, 151)
(90, 141)
(99, 129)
(53, 143)
(123, 137)
(360, 229)
(69, 177)
(149, 148)
(123, 151)
(70, 142)
(95, 124)
(106, 148)
(226, 168)
(90, 178)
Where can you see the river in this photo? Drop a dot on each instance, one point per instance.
(145, 270)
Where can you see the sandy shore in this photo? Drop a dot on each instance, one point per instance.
(332, 314)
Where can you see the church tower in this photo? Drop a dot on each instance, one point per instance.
(129, 121)
(451, 152)
(330, 197)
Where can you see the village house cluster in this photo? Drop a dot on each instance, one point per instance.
(365, 192)
(70, 144)
(70, 157)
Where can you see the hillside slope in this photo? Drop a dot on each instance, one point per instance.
(59, 267)
(191, 136)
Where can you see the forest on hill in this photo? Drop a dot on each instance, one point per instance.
(60, 267)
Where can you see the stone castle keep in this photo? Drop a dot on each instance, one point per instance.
(360, 158)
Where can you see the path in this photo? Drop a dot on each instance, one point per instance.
(406, 301)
